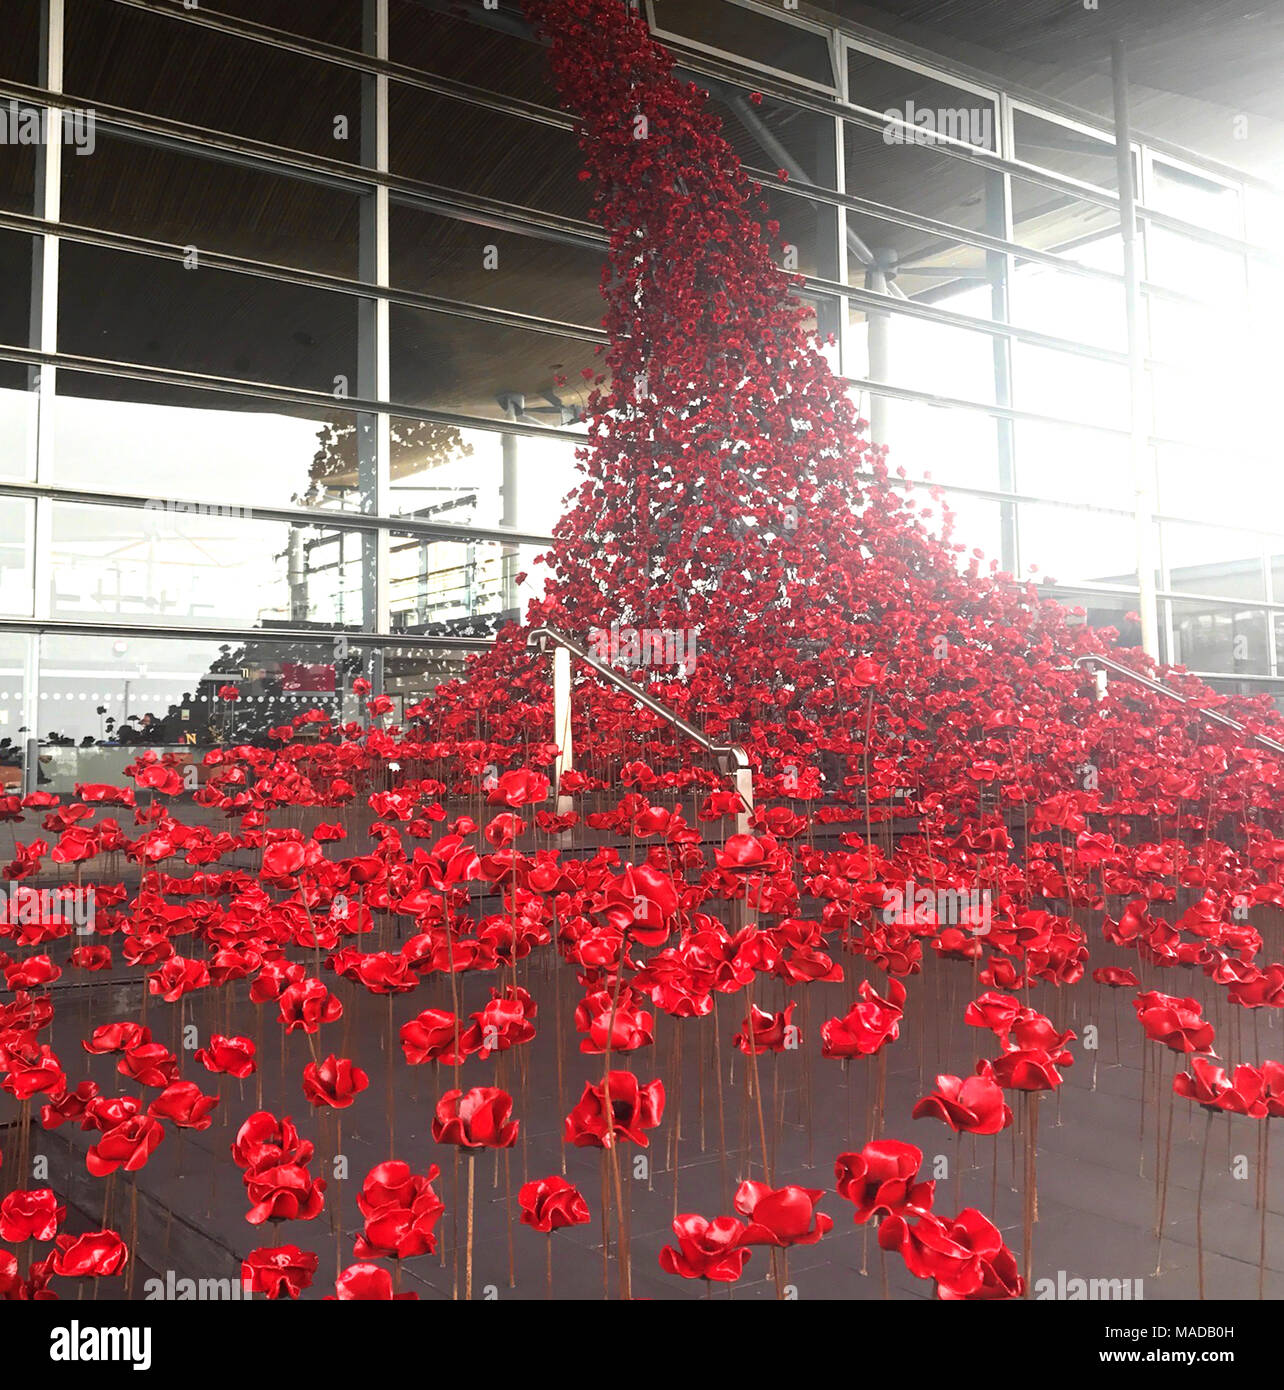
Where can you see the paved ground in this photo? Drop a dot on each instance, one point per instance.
(1096, 1183)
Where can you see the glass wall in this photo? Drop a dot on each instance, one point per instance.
(240, 391)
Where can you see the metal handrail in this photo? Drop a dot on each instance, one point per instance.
(733, 756)
(1106, 663)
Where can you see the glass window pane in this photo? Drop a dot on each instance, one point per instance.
(458, 476)
(930, 103)
(1081, 308)
(748, 35)
(916, 178)
(434, 254)
(1195, 199)
(20, 51)
(155, 312)
(468, 47)
(162, 194)
(1049, 220)
(1073, 465)
(460, 588)
(16, 263)
(16, 521)
(335, 22)
(442, 362)
(1061, 149)
(1194, 267)
(13, 735)
(1210, 560)
(1076, 388)
(943, 446)
(162, 441)
(18, 161)
(940, 358)
(475, 150)
(97, 693)
(215, 565)
(1220, 638)
(159, 64)
(772, 134)
(18, 420)
(1073, 546)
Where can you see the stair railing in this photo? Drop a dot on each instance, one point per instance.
(732, 758)
(1105, 664)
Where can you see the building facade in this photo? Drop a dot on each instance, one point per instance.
(302, 299)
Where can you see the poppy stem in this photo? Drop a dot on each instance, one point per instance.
(468, 1236)
(1265, 1180)
(1199, 1203)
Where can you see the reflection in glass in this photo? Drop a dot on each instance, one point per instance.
(435, 254)
(441, 362)
(146, 190)
(160, 441)
(472, 149)
(155, 312)
(120, 55)
(216, 565)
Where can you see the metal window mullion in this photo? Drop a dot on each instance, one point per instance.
(43, 378)
(1000, 266)
(374, 430)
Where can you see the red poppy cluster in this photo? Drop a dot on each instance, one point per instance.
(913, 720)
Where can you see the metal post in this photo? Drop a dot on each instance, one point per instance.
(999, 268)
(1143, 471)
(513, 405)
(562, 725)
(878, 279)
(374, 432)
(43, 381)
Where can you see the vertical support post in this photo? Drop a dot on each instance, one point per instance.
(998, 264)
(513, 405)
(878, 279)
(374, 431)
(562, 724)
(742, 779)
(1143, 471)
(43, 379)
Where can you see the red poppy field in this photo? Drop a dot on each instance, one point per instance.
(979, 1000)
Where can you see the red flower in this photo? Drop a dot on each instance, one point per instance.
(1206, 1082)
(867, 1026)
(184, 1106)
(634, 1108)
(769, 1032)
(367, 1282)
(401, 1211)
(476, 1119)
(430, 1037)
(782, 1215)
(336, 1082)
(278, 1270)
(30, 1215)
(283, 1192)
(127, 1145)
(232, 1056)
(95, 1255)
(549, 1204)
(706, 1249)
(882, 1180)
(973, 1104)
(965, 1255)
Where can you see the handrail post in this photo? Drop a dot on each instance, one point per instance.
(733, 759)
(741, 773)
(562, 725)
